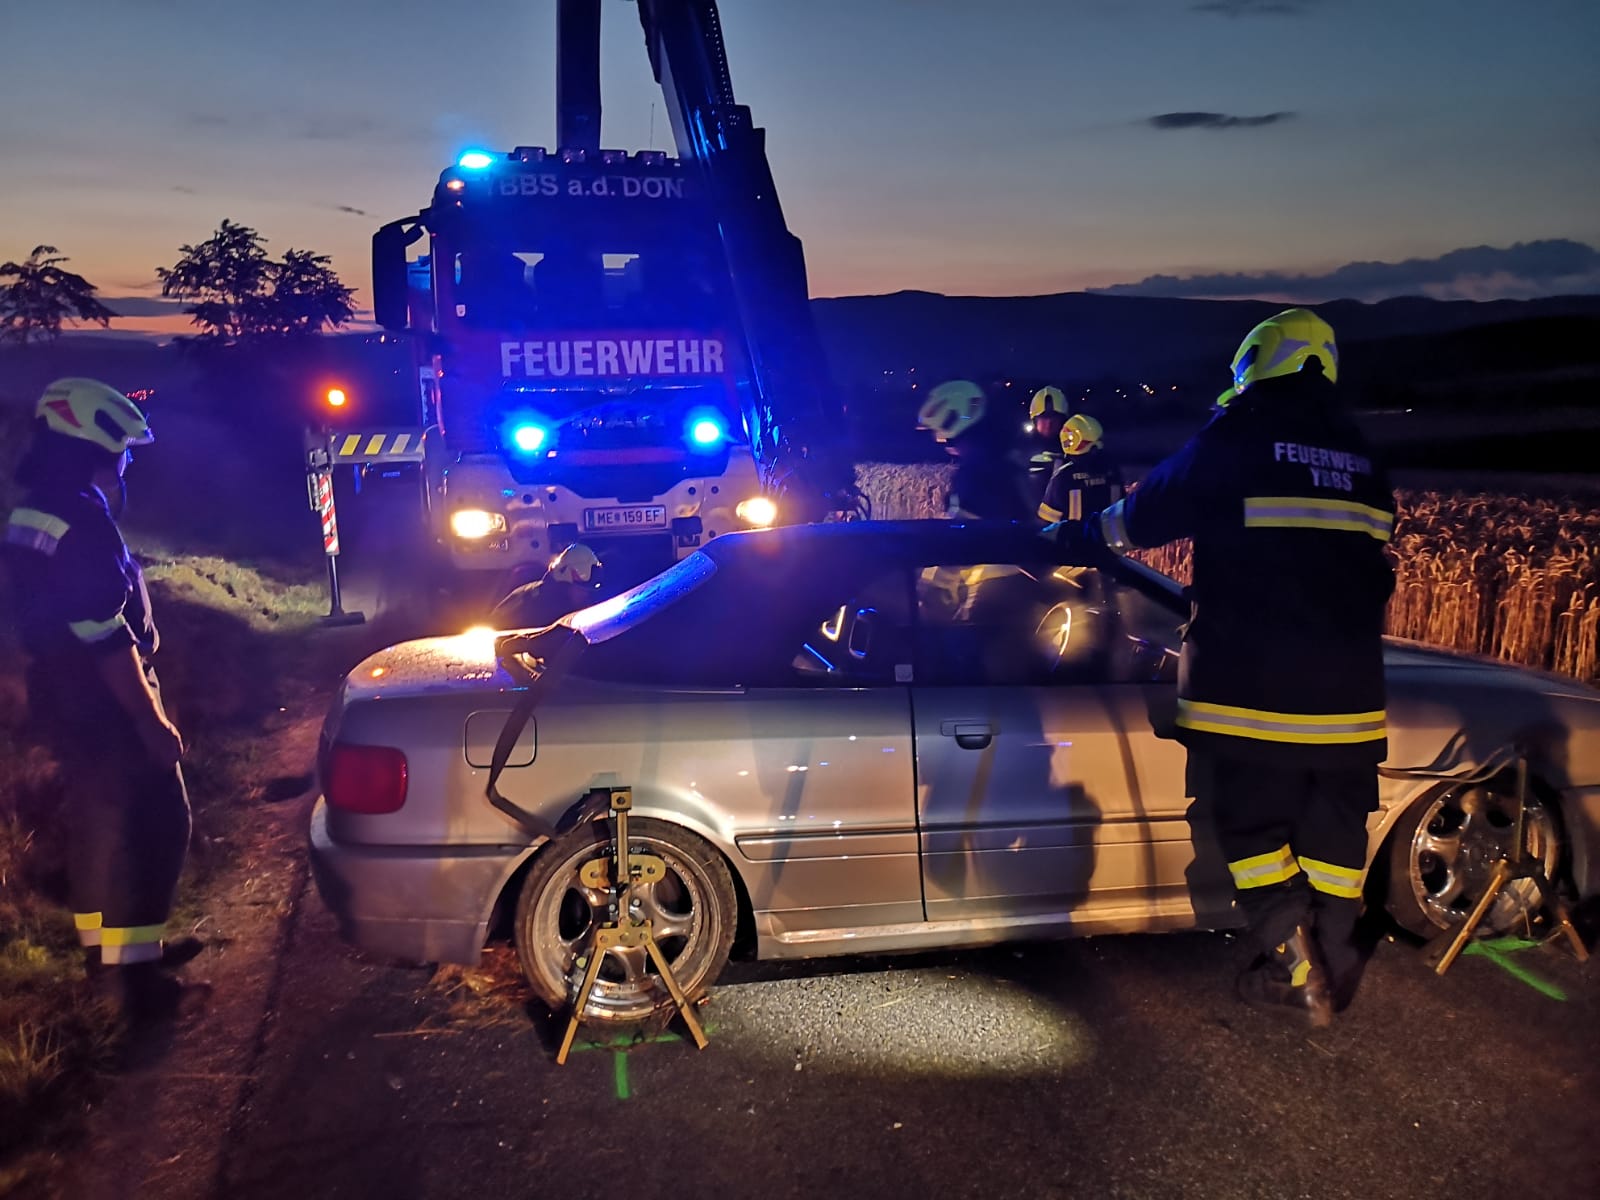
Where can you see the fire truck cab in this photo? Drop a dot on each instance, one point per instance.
(579, 359)
(615, 348)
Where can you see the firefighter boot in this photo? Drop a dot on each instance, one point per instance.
(177, 951)
(1343, 947)
(174, 954)
(1290, 977)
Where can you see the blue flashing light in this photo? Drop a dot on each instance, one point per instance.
(475, 160)
(529, 437)
(705, 430)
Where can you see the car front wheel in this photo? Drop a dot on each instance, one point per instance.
(691, 909)
(1444, 849)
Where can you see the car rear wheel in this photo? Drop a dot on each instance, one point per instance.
(692, 913)
(1444, 849)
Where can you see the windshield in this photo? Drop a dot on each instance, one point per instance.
(563, 284)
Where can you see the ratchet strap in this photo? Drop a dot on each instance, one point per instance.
(536, 683)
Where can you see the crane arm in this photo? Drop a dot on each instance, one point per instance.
(793, 412)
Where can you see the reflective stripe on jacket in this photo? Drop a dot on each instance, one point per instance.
(1289, 512)
(1081, 487)
(75, 594)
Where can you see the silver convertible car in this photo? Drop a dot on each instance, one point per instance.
(876, 736)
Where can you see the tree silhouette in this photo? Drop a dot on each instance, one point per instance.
(38, 294)
(225, 276)
(240, 294)
(306, 294)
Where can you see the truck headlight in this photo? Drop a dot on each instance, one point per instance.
(474, 524)
(758, 511)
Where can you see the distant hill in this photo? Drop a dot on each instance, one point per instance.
(1077, 337)
(1396, 352)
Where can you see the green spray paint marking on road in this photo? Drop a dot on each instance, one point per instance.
(1496, 951)
(622, 1042)
(620, 1061)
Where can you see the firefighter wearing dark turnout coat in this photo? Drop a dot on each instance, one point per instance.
(1281, 691)
(986, 484)
(83, 617)
(572, 581)
(1087, 480)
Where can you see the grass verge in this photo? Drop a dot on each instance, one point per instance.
(234, 656)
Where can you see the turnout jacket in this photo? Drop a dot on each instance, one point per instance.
(1283, 655)
(988, 487)
(1042, 468)
(76, 594)
(1082, 485)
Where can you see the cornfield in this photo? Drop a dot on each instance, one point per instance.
(1511, 576)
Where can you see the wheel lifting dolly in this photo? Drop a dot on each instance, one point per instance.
(1517, 865)
(618, 874)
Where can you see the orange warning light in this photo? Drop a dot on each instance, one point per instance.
(336, 397)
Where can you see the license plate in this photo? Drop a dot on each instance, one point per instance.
(626, 516)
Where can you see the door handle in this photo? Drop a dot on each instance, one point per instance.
(969, 735)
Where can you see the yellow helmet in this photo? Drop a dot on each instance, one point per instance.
(1081, 434)
(1047, 399)
(1283, 345)
(95, 412)
(952, 408)
(576, 564)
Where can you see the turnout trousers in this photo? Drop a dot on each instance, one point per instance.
(127, 829)
(1295, 839)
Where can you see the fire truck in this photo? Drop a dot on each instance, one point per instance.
(612, 347)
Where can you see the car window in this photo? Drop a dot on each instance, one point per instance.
(995, 624)
(863, 640)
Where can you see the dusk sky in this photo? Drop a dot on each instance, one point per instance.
(1005, 147)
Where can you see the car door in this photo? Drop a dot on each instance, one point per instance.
(1035, 752)
(833, 846)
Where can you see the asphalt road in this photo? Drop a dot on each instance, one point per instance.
(1115, 1067)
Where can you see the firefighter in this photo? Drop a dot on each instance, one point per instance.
(986, 485)
(83, 617)
(1087, 480)
(571, 581)
(1281, 689)
(1047, 414)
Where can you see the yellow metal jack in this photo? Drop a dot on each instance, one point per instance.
(625, 869)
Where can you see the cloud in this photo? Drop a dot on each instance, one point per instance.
(1553, 266)
(297, 125)
(1255, 8)
(143, 306)
(1211, 120)
(351, 209)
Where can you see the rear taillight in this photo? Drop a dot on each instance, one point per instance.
(365, 779)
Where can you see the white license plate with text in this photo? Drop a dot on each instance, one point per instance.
(625, 516)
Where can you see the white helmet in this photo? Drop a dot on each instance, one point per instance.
(95, 412)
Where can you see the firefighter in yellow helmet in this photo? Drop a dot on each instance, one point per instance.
(986, 485)
(572, 581)
(1088, 480)
(1281, 687)
(81, 609)
(1047, 413)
